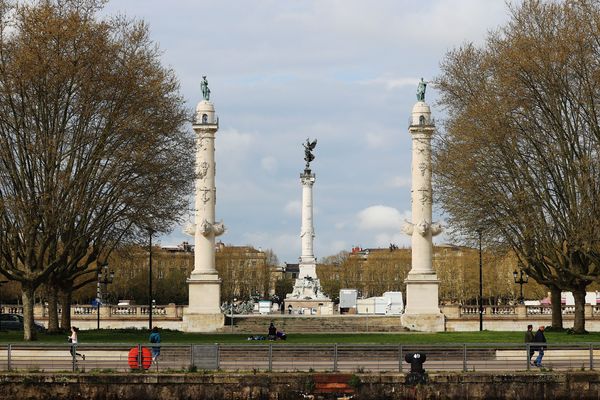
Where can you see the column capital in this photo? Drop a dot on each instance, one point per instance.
(307, 179)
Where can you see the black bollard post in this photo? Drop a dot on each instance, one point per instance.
(417, 374)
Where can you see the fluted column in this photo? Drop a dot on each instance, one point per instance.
(204, 236)
(421, 240)
(307, 232)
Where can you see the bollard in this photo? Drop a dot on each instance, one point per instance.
(417, 374)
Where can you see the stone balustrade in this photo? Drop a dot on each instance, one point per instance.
(457, 317)
(513, 310)
(111, 311)
(176, 311)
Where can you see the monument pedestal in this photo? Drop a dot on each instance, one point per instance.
(321, 307)
(307, 294)
(422, 312)
(204, 312)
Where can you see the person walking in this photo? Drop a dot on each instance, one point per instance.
(529, 338)
(155, 338)
(73, 340)
(540, 338)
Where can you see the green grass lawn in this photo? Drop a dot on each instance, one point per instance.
(175, 337)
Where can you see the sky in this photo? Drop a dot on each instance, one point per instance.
(344, 72)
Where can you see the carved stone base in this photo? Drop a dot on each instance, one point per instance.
(422, 312)
(424, 322)
(204, 312)
(307, 288)
(202, 322)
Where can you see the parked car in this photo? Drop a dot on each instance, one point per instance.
(14, 322)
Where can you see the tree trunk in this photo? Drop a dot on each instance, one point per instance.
(65, 303)
(557, 320)
(579, 324)
(52, 309)
(29, 332)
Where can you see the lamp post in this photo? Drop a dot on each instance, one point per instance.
(523, 278)
(150, 310)
(479, 231)
(231, 308)
(1, 283)
(104, 278)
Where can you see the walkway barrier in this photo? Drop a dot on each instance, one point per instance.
(291, 357)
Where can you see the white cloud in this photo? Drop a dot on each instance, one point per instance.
(380, 217)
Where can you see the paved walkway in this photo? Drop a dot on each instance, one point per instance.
(293, 358)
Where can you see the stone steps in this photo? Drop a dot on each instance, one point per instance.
(258, 324)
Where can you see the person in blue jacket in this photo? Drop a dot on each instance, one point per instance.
(155, 338)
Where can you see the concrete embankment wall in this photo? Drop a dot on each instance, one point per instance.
(292, 386)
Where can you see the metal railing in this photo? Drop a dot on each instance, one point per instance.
(291, 357)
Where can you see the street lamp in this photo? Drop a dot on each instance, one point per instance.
(104, 278)
(150, 310)
(479, 230)
(523, 278)
(1, 283)
(231, 309)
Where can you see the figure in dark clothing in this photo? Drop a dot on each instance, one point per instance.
(529, 338)
(155, 338)
(539, 338)
(272, 332)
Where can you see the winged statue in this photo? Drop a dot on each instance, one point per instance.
(308, 149)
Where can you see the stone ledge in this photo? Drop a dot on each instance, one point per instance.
(287, 386)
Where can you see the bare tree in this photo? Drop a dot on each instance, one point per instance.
(93, 149)
(520, 151)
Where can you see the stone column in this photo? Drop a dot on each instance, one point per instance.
(422, 311)
(307, 233)
(307, 292)
(204, 220)
(204, 312)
